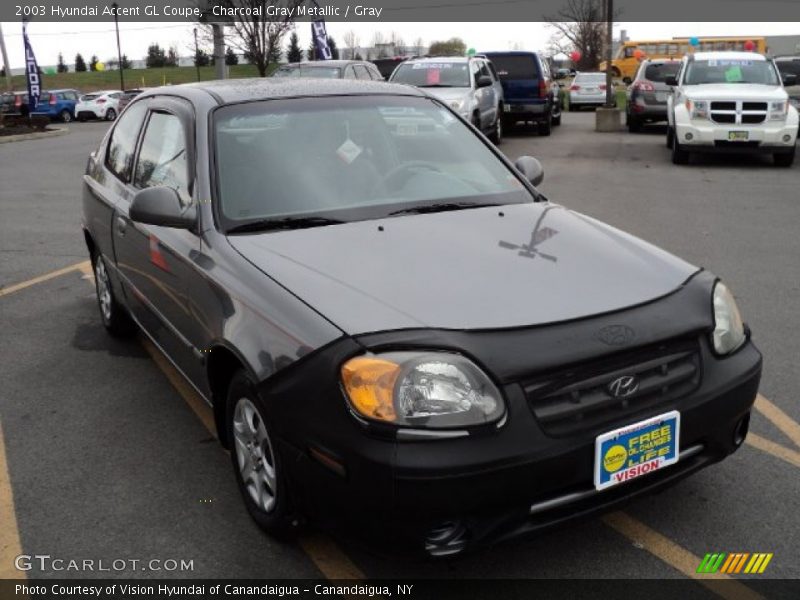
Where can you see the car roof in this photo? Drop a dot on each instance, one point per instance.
(491, 53)
(730, 55)
(263, 88)
(434, 59)
(658, 61)
(324, 63)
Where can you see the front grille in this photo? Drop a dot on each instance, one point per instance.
(743, 113)
(577, 399)
(723, 106)
(754, 106)
(724, 118)
(754, 118)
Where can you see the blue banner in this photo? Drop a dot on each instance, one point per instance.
(31, 72)
(320, 36)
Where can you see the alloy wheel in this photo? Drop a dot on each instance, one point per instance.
(254, 455)
(103, 289)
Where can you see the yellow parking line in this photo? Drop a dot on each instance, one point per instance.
(10, 546)
(322, 550)
(678, 557)
(773, 448)
(780, 419)
(41, 278)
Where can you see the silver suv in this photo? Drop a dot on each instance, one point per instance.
(647, 94)
(468, 85)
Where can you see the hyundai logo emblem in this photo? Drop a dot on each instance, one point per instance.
(623, 387)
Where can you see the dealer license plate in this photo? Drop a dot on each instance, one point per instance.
(629, 452)
(661, 96)
(738, 136)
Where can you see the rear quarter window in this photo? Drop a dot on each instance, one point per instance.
(511, 67)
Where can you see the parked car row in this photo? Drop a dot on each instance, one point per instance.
(69, 104)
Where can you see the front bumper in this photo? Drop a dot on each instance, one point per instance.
(704, 136)
(495, 484)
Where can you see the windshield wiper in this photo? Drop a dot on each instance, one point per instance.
(283, 223)
(441, 207)
(435, 85)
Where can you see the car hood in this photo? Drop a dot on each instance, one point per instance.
(448, 95)
(488, 268)
(735, 91)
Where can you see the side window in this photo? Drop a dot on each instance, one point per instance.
(122, 144)
(349, 72)
(376, 75)
(474, 69)
(493, 70)
(162, 155)
(361, 72)
(629, 50)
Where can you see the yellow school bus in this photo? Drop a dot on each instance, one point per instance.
(626, 62)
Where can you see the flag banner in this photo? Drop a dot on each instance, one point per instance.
(31, 72)
(320, 35)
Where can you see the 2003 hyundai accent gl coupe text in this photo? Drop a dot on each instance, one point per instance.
(399, 335)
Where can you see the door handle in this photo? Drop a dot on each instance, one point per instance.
(122, 225)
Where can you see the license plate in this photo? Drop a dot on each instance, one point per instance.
(661, 96)
(629, 452)
(738, 136)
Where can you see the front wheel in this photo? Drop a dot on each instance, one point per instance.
(670, 137)
(256, 463)
(679, 155)
(634, 124)
(783, 160)
(497, 133)
(111, 114)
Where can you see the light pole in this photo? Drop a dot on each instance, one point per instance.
(196, 55)
(6, 66)
(609, 53)
(115, 6)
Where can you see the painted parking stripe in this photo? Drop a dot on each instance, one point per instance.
(678, 557)
(10, 546)
(777, 450)
(81, 266)
(780, 419)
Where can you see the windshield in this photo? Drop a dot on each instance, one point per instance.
(658, 72)
(351, 158)
(323, 72)
(730, 71)
(433, 74)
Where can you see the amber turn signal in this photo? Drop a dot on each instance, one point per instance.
(369, 384)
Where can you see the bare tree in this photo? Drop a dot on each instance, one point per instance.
(351, 41)
(258, 38)
(580, 26)
(378, 39)
(419, 45)
(396, 40)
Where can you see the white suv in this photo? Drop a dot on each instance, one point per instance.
(730, 102)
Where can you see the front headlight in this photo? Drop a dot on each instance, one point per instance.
(778, 110)
(436, 390)
(728, 327)
(697, 109)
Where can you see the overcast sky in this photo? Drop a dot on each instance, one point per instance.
(48, 39)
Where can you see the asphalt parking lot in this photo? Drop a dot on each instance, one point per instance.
(107, 452)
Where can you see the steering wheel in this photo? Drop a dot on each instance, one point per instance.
(394, 177)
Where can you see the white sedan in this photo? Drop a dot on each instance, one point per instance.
(589, 89)
(98, 105)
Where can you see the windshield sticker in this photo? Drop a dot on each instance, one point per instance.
(438, 66)
(433, 76)
(348, 151)
(729, 62)
(733, 74)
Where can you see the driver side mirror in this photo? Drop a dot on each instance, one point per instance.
(161, 205)
(483, 81)
(671, 81)
(530, 168)
(789, 79)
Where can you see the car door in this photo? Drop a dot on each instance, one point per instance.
(487, 101)
(349, 72)
(155, 262)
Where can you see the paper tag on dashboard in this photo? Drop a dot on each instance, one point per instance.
(348, 151)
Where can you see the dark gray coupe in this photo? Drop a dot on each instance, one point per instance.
(398, 334)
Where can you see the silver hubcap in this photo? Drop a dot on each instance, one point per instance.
(254, 455)
(499, 129)
(103, 288)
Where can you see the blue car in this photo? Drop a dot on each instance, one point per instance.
(57, 104)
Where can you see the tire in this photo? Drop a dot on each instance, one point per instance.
(252, 443)
(497, 132)
(615, 72)
(670, 137)
(508, 124)
(572, 107)
(111, 114)
(679, 155)
(115, 318)
(634, 124)
(546, 127)
(783, 160)
(65, 116)
(557, 119)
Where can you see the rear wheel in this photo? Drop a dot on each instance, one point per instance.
(634, 124)
(783, 160)
(66, 116)
(116, 321)
(497, 133)
(111, 114)
(256, 463)
(546, 126)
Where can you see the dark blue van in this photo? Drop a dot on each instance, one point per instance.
(530, 92)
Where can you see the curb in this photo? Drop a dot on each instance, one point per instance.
(33, 136)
